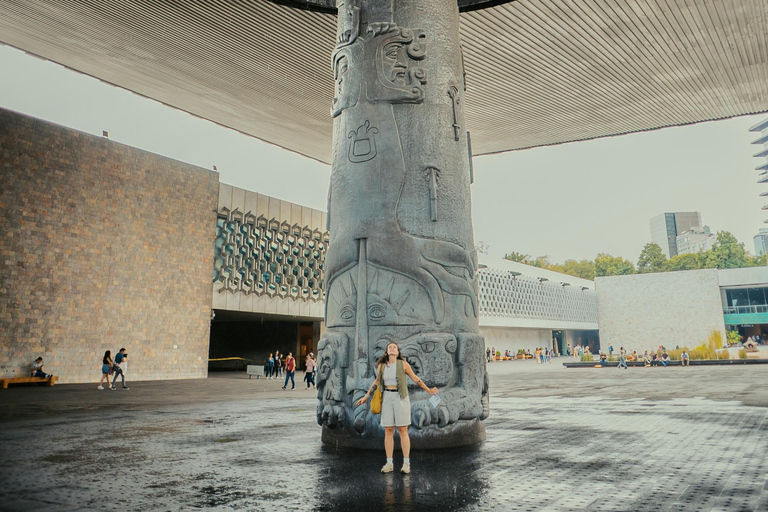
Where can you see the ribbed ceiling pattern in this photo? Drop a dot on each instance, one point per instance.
(539, 71)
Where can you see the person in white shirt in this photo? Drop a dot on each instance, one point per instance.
(37, 369)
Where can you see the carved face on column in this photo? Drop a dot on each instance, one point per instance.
(396, 78)
(347, 81)
(381, 58)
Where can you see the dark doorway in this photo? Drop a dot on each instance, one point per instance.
(239, 339)
(558, 343)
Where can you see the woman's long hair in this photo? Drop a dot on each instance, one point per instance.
(107, 357)
(385, 357)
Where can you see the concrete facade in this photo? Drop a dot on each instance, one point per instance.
(104, 246)
(640, 312)
(521, 306)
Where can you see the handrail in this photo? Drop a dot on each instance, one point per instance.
(741, 310)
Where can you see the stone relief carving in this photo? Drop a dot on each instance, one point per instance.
(383, 282)
(455, 95)
(363, 145)
(433, 175)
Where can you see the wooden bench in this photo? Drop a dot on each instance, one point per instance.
(23, 380)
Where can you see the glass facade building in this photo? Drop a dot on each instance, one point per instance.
(666, 227)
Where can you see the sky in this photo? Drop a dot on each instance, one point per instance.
(570, 201)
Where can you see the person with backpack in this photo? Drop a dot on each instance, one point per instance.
(290, 370)
(120, 358)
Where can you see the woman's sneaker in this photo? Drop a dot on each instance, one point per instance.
(100, 387)
(388, 468)
(406, 468)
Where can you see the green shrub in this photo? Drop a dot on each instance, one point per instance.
(732, 337)
(743, 353)
(675, 353)
(723, 354)
(587, 357)
(715, 339)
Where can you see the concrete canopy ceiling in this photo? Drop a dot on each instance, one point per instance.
(539, 72)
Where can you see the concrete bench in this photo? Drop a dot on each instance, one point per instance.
(24, 380)
(257, 370)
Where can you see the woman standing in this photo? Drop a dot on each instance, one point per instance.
(396, 405)
(106, 364)
(270, 365)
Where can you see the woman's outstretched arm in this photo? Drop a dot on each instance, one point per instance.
(415, 378)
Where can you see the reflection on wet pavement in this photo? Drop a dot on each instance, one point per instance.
(542, 454)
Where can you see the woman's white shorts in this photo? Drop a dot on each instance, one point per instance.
(395, 412)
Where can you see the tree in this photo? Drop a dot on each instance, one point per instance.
(687, 261)
(758, 261)
(726, 252)
(585, 269)
(518, 257)
(541, 262)
(607, 265)
(651, 259)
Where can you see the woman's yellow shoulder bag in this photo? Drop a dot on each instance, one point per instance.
(376, 399)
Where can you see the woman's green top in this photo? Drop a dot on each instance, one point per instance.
(402, 383)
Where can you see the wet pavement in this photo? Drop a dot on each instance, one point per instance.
(643, 439)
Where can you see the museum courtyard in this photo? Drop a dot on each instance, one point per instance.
(642, 439)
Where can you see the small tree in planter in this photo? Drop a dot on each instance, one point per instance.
(732, 337)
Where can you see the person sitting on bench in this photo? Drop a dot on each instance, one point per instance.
(37, 369)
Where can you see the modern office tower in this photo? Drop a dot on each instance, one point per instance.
(666, 227)
(761, 242)
(694, 240)
(762, 141)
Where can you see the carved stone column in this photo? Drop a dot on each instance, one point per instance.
(401, 262)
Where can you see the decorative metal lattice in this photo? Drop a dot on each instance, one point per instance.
(256, 255)
(502, 295)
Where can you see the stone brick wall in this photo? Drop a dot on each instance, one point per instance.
(104, 246)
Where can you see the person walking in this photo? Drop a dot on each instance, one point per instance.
(309, 371)
(623, 361)
(290, 370)
(396, 405)
(106, 367)
(120, 358)
(278, 365)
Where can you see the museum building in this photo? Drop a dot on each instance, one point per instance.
(103, 250)
(643, 311)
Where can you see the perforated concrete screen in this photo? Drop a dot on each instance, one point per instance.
(526, 297)
(538, 72)
(256, 255)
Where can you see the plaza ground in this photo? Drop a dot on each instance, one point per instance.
(643, 439)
